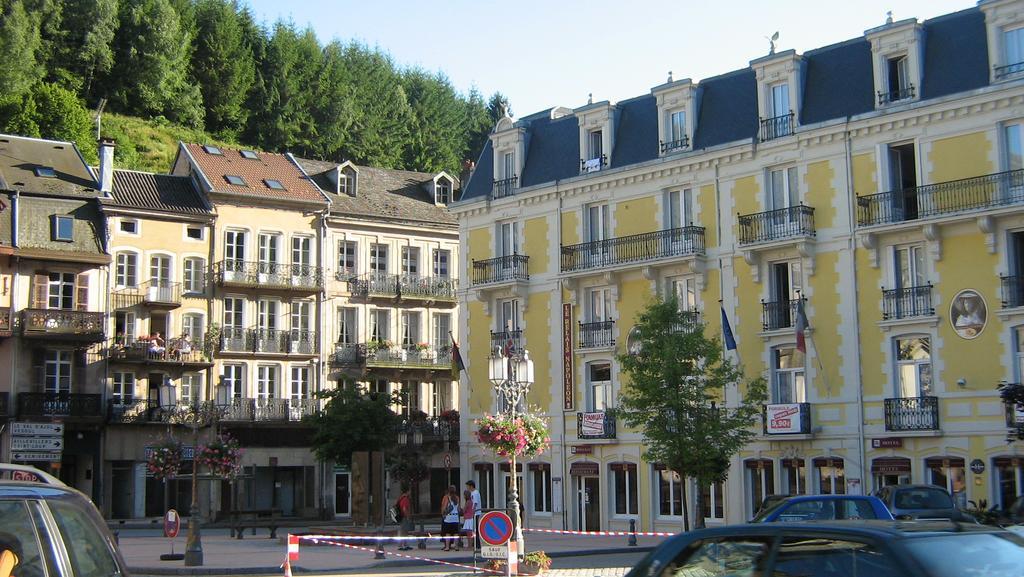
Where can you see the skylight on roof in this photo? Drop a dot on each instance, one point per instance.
(250, 154)
(274, 184)
(235, 179)
(46, 172)
(210, 149)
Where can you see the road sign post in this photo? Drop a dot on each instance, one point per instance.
(495, 530)
(172, 524)
(37, 442)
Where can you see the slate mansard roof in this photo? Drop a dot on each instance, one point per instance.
(838, 83)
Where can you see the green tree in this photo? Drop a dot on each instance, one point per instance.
(497, 107)
(478, 125)
(49, 111)
(83, 49)
(222, 65)
(675, 396)
(20, 48)
(438, 134)
(380, 131)
(353, 421)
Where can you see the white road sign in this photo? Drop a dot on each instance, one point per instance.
(37, 429)
(35, 456)
(37, 443)
(494, 552)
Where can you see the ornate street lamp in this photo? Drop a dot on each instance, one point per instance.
(511, 373)
(202, 413)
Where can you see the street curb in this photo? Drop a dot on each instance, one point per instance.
(135, 571)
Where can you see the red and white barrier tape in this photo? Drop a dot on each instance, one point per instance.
(428, 559)
(376, 538)
(602, 533)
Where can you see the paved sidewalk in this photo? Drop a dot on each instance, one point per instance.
(258, 555)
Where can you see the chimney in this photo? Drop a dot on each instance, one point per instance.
(106, 164)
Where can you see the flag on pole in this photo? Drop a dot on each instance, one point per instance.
(801, 326)
(457, 365)
(730, 340)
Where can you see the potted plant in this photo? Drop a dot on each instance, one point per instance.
(523, 435)
(535, 563)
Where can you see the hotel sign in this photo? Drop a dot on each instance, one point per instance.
(568, 392)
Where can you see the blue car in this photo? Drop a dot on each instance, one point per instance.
(824, 508)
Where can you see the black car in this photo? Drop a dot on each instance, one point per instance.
(921, 502)
(48, 529)
(839, 549)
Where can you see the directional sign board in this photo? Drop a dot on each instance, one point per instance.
(37, 443)
(25, 456)
(37, 429)
(495, 528)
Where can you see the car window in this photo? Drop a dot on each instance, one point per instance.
(808, 511)
(959, 554)
(817, 557)
(18, 543)
(88, 551)
(857, 509)
(725, 557)
(923, 499)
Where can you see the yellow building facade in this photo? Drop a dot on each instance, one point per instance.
(875, 181)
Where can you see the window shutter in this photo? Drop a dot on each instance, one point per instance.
(40, 290)
(38, 368)
(82, 292)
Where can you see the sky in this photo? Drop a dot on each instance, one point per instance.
(543, 54)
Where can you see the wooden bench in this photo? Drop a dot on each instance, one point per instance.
(239, 521)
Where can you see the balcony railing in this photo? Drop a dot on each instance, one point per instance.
(404, 286)
(134, 411)
(375, 355)
(513, 267)
(5, 404)
(895, 95)
(175, 351)
(691, 320)
(600, 425)
(6, 322)
(942, 198)
(433, 429)
(912, 414)
(59, 405)
(270, 275)
(593, 164)
(778, 224)
(267, 409)
(512, 340)
(907, 302)
(787, 419)
(150, 293)
(1008, 70)
(504, 187)
(1013, 291)
(684, 241)
(277, 341)
(348, 355)
(673, 145)
(597, 334)
(62, 324)
(776, 315)
(776, 127)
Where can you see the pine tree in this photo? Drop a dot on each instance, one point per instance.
(439, 127)
(222, 65)
(20, 47)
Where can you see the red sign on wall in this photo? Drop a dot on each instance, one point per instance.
(568, 394)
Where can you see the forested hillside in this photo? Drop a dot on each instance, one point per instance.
(193, 66)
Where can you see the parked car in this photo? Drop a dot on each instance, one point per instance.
(48, 529)
(921, 502)
(839, 549)
(824, 508)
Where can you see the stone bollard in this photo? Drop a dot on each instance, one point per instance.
(379, 554)
(631, 541)
(422, 544)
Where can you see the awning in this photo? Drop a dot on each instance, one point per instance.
(583, 469)
(890, 465)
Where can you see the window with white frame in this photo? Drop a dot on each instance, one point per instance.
(680, 208)
(124, 388)
(410, 329)
(442, 331)
(788, 381)
(783, 189)
(380, 387)
(440, 397)
(624, 483)
(794, 476)
(599, 382)
(410, 260)
(129, 226)
(266, 381)
(347, 182)
(909, 266)
(831, 476)
(348, 318)
(677, 128)
(266, 316)
(508, 165)
(684, 290)
(508, 240)
(195, 274)
(124, 328)
(192, 327)
(598, 225)
(126, 269)
(410, 393)
(1013, 149)
(950, 473)
(901, 161)
(61, 290)
(595, 144)
(778, 100)
(234, 312)
(760, 482)
(442, 262)
(191, 388)
(195, 232)
(57, 372)
(914, 367)
(442, 191)
(1008, 473)
(668, 491)
(380, 325)
(300, 388)
(347, 250)
(714, 501)
(540, 483)
(234, 245)
(233, 377)
(508, 315)
(1013, 53)
(302, 253)
(599, 304)
(268, 251)
(379, 258)
(897, 78)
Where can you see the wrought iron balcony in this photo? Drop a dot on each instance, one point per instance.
(269, 275)
(504, 187)
(62, 324)
(593, 164)
(895, 95)
(636, 248)
(6, 322)
(942, 199)
(513, 267)
(597, 334)
(512, 340)
(409, 356)
(777, 315)
(175, 351)
(275, 341)
(1013, 291)
(266, 409)
(776, 127)
(404, 286)
(432, 429)
(59, 405)
(907, 302)
(348, 355)
(134, 411)
(5, 404)
(674, 145)
(691, 320)
(787, 419)
(783, 223)
(157, 294)
(600, 425)
(1008, 70)
(912, 414)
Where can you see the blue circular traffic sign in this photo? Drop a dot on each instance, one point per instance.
(495, 528)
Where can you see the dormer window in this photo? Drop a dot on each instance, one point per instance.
(506, 179)
(897, 81)
(347, 182)
(1013, 54)
(1004, 23)
(442, 191)
(896, 50)
(779, 122)
(676, 100)
(678, 138)
(595, 151)
(597, 135)
(779, 78)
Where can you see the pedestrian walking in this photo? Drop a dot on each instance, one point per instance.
(468, 518)
(404, 505)
(450, 516)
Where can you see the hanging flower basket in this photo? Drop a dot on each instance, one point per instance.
(165, 458)
(522, 436)
(450, 416)
(223, 456)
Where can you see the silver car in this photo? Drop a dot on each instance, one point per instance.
(921, 502)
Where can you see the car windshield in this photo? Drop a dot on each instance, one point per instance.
(770, 510)
(964, 554)
(922, 498)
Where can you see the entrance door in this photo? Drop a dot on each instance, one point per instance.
(588, 504)
(342, 494)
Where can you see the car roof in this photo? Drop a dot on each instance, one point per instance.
(917, 486)
(797, 498)
(31, 490)
(867, 528)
